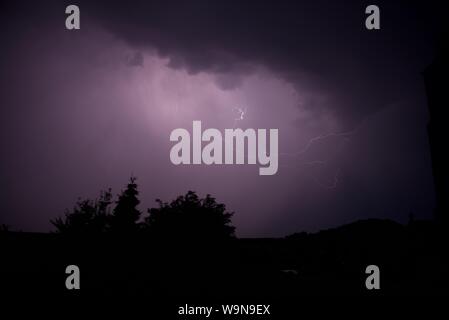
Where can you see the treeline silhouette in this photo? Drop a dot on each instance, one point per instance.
(187, 248)
(186, 217)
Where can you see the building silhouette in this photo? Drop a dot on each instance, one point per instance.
(436, 78)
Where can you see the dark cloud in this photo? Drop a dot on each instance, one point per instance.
(320, 45)
(82, 110)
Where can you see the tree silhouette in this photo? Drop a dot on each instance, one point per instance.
(190, 217)
(87, 217)
(125, 216)
(187, 217)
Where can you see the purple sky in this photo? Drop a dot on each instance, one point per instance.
(83, 110)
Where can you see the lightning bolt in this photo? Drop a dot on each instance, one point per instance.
(319, 183)
(306, 148)
(241, 112)
(318, 138)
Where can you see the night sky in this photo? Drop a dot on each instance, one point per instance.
(82, 110)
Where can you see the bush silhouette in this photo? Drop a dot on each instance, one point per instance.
(94, 216)
(87, 217)
(187, 217)
(190, 217)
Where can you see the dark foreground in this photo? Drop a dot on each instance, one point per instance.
(411, 260)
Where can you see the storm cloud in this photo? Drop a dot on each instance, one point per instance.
(83, 110)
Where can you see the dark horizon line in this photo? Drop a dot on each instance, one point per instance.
(296, 233)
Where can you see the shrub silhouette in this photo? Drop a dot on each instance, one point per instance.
(87, 217)
(187, 217)
(190, 217)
